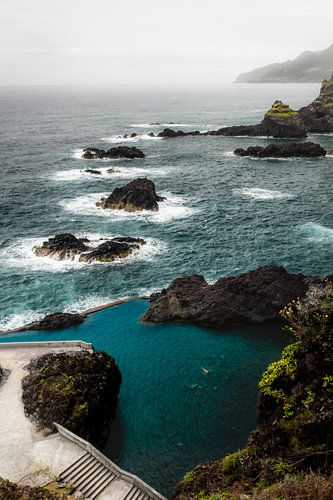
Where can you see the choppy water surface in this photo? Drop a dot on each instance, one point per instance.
(171, 415)
(223, 215)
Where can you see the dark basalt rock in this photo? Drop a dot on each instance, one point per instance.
(91, 171)
(67, 246)
(318, 116)
(139, 194)
(113, 153)
(250, 298)
(304, 150)
(78, 390)
(112, 249)
(239, 130)
(63, 246)
(55, 321)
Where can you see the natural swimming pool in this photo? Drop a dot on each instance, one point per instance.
(172, 414)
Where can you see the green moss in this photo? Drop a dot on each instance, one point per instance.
(281, 468)
(281, 110)
(231, 463)
(188, 477)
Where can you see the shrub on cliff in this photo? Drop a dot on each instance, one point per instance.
(78, 390)
(291, 450)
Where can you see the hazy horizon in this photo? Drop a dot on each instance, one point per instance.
(107, 43)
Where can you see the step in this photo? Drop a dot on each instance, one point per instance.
(100, 487)
(77, 467)
(130, 493)
(95, 483)
(81, 477)
(97, 486)
(84, 481)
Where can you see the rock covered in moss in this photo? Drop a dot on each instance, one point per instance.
(78, 390)
(295, 150)
(250, 298)
(291, 450)
(282, 121)
(318, 116)
(137, 195)
(13, 491)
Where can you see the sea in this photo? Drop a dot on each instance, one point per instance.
(223, 215)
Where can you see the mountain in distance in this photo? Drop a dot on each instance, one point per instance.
(308, 67)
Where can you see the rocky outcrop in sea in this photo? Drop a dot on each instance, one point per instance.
(54, 321)
(318, 116)
(67, 246)
(112, 153)
(296, 150)
(78, 390)
(137, 195)
(250, 298)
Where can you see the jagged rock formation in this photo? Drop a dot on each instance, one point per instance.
(67, 246)
(297, 150)
(250, 298)
(78, 390)
(137, 195)
(291, 450)
(280, 121)
(54, 321)
(112, 153)
(318, 116)
(307, 67)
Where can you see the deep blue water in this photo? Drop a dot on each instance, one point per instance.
(215, 221)
(171, 416)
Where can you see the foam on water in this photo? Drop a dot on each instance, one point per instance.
(316, 232)
(20, 254)
(119, 138)
(259, 194)
(19, 319)
(172, 208)
(171, 125)
(76, 174)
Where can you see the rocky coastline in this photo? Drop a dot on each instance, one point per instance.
(112, 153)
(137, 195)
(294, 150)
(251, 298)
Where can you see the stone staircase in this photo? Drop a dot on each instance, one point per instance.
(88, 476)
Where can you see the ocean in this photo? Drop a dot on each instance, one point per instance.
(224, 215)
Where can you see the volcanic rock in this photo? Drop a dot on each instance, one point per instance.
(63, 246)
(78, 390)
(91, 171)
(250, 298)
(54, 321)
(113, 153)
(139, 194)
(112, 249)
(304, 150)
(318, 116)
(282, 121)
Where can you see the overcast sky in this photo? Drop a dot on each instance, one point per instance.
(153, 41)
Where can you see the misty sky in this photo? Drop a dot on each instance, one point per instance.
(151, 41)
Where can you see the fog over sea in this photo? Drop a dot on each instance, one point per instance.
(188, 394)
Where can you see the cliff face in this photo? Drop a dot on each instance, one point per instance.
(307, 67)
(291, 449)
(318, 116)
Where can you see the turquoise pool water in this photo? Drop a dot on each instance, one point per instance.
(171, 416)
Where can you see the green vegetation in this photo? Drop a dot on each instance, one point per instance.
(290, 453)
(281, 110)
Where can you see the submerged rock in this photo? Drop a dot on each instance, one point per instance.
(137, 195)
(67, 246)
(78, 390)
(250, 298)
(318, 116)
(112, 153)
(55, 321)
(304, 150)
(91, 171)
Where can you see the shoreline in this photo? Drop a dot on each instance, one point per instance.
(84, 313)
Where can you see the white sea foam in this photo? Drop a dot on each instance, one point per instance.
(172, 208)
(260, 194)
(171, 125)
(229, 154)
(19, 319)
(119, 138)
(77, 153)
(20, 254)
(317, 233)
(76, 174)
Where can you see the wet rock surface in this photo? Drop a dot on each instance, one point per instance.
(137, 195)
(55, 321)
(303, 150)
(112, 153)
(78, 390)
(250, 298)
